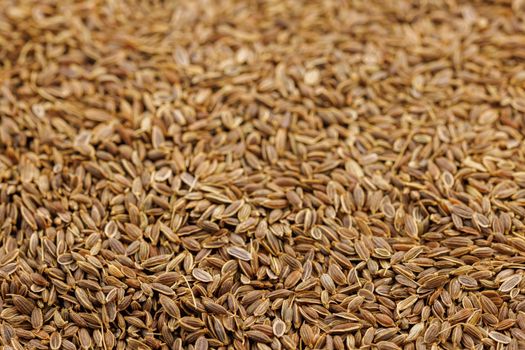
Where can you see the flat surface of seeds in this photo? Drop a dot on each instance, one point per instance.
(273, 174)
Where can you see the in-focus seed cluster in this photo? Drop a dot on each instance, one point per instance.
(262, 175)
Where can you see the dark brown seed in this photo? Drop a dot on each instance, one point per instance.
(37, 318)
(22, 304)
(169, 306)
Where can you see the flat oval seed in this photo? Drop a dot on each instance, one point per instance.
(239, 253)
(201, 275)
(500, 337)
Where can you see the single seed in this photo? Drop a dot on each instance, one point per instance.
(202, 275)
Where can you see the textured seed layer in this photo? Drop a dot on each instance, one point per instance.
(262, 174)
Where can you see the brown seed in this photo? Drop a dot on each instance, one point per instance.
(415, 331)
(201, 275)
(55, 341)
(201, 344)
(435, 281)
(386, 345)
(169, 306)
(467, 281)
(258, 336)
(488, 305)
(411, 226)
(510, 283)
(500, 337)
(84, 338)
(460, 316)
(327, 282)
(68, 345)
(431, 332)
(239, 253)
(278, 327)
(22, 304)
(406, 303)
(37, 318)
(83, 298)
(384, 320)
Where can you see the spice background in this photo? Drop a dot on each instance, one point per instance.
(273, 174)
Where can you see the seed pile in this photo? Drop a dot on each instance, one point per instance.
(273, 174)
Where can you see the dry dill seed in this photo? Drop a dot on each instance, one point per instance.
(239, 253)
(499, 337)
(266, 175)
(202, 275)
